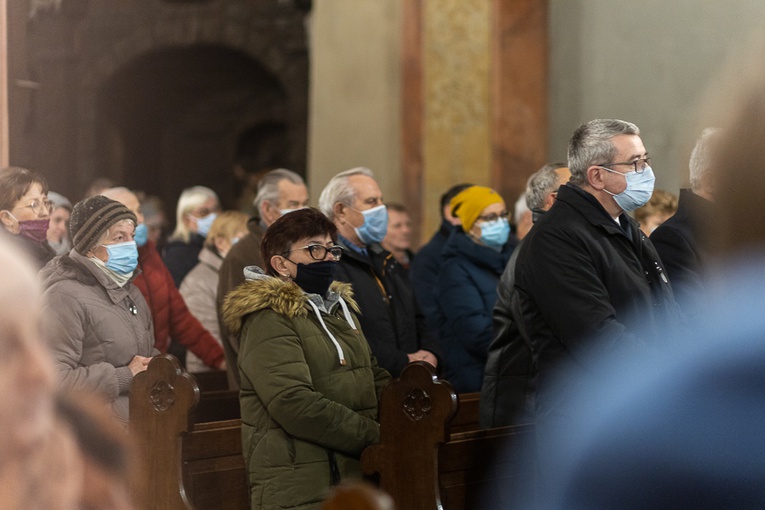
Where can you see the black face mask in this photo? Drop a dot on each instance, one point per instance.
(316, 278)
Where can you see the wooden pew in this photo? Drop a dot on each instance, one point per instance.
(196, 463)
(473, 468)
(189, 465)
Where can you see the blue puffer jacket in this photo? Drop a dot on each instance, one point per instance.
(467, 291)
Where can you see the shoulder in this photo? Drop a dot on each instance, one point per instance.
(284, 298)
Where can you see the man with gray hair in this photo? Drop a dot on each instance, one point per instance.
(682, 240)
(507, 394)
(587, 277)
(390, 318)
(279, 191)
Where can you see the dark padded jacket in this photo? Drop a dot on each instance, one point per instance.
(466, 293)
(390, 318)
(586, 281)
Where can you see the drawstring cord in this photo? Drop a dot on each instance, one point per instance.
(340, 353)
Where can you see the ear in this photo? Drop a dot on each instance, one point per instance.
(9, 223)
(220, 244)
(339, 210)
(279, 264)
(549, 201)
(595, 177)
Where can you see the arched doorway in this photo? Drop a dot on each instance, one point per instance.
(178, 117)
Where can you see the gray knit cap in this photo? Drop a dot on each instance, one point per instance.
(94, 216)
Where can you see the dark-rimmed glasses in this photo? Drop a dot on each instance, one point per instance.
(319, 251)
(39, 206)
(493, 217)
(639, 165)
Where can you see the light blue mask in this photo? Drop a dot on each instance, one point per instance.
(123, 257)
(375, 225)
(204, 223)
(638, 191)
(495, 234)
(141, 235)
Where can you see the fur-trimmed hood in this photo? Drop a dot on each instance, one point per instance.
(262, 291)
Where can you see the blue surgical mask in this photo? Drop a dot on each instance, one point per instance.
(495, 234)
(638, 191)
(204, 223)
(375, 225)
(141, 235)
(123, 257)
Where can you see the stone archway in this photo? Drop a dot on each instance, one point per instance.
(102, 68)
(177, 117)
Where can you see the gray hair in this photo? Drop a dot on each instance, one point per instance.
(541, 183)
(190, 199)
(520, 207)
(268, 186)
(338, 189)
(591, 145)
(701, 156)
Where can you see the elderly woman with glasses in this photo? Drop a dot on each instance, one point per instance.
(25, 212)
(474, 257)
(309, 382)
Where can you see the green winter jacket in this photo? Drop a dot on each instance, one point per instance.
(310, 388)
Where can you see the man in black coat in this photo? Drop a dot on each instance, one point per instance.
(507, 394)
(682, 241)
(390, 318)
(586, 276)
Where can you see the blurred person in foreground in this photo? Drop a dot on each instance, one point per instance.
(39, 465)
(25, 212)
(398, 238)
(279, 191)
(172, 320)
(309, 382)
(97, 323)
(392, 322)
(424, 270)
(507, 393)
(200, 287)
(474, 257)
(659, 209)
(681, 426)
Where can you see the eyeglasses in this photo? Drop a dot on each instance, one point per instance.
(40, 206)
(639, 165)
(493, 217)
(201, 212)
(319, 251)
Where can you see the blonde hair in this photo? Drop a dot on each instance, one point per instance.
(661, 202)
(190, 199)
(225, 226)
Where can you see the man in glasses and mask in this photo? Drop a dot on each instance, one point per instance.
(586, 276)
(390, 318)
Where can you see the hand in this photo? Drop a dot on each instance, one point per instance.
(138, 364)
(221, 365)
(423, 355)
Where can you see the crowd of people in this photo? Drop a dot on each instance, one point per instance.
(311, 311)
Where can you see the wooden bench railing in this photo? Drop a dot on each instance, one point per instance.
(196, 463)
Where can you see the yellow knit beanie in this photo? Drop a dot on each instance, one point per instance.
(470, 203)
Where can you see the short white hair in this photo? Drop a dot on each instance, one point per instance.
(701, 156)
(190, 199)
(520, 208)
(339, 190)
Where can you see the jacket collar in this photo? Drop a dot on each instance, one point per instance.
(589, 207)
(210, 258)
(262, 291)
(461, 246)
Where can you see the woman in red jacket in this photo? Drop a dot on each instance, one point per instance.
(172, 319)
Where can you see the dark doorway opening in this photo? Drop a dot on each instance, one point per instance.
(180, 117)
